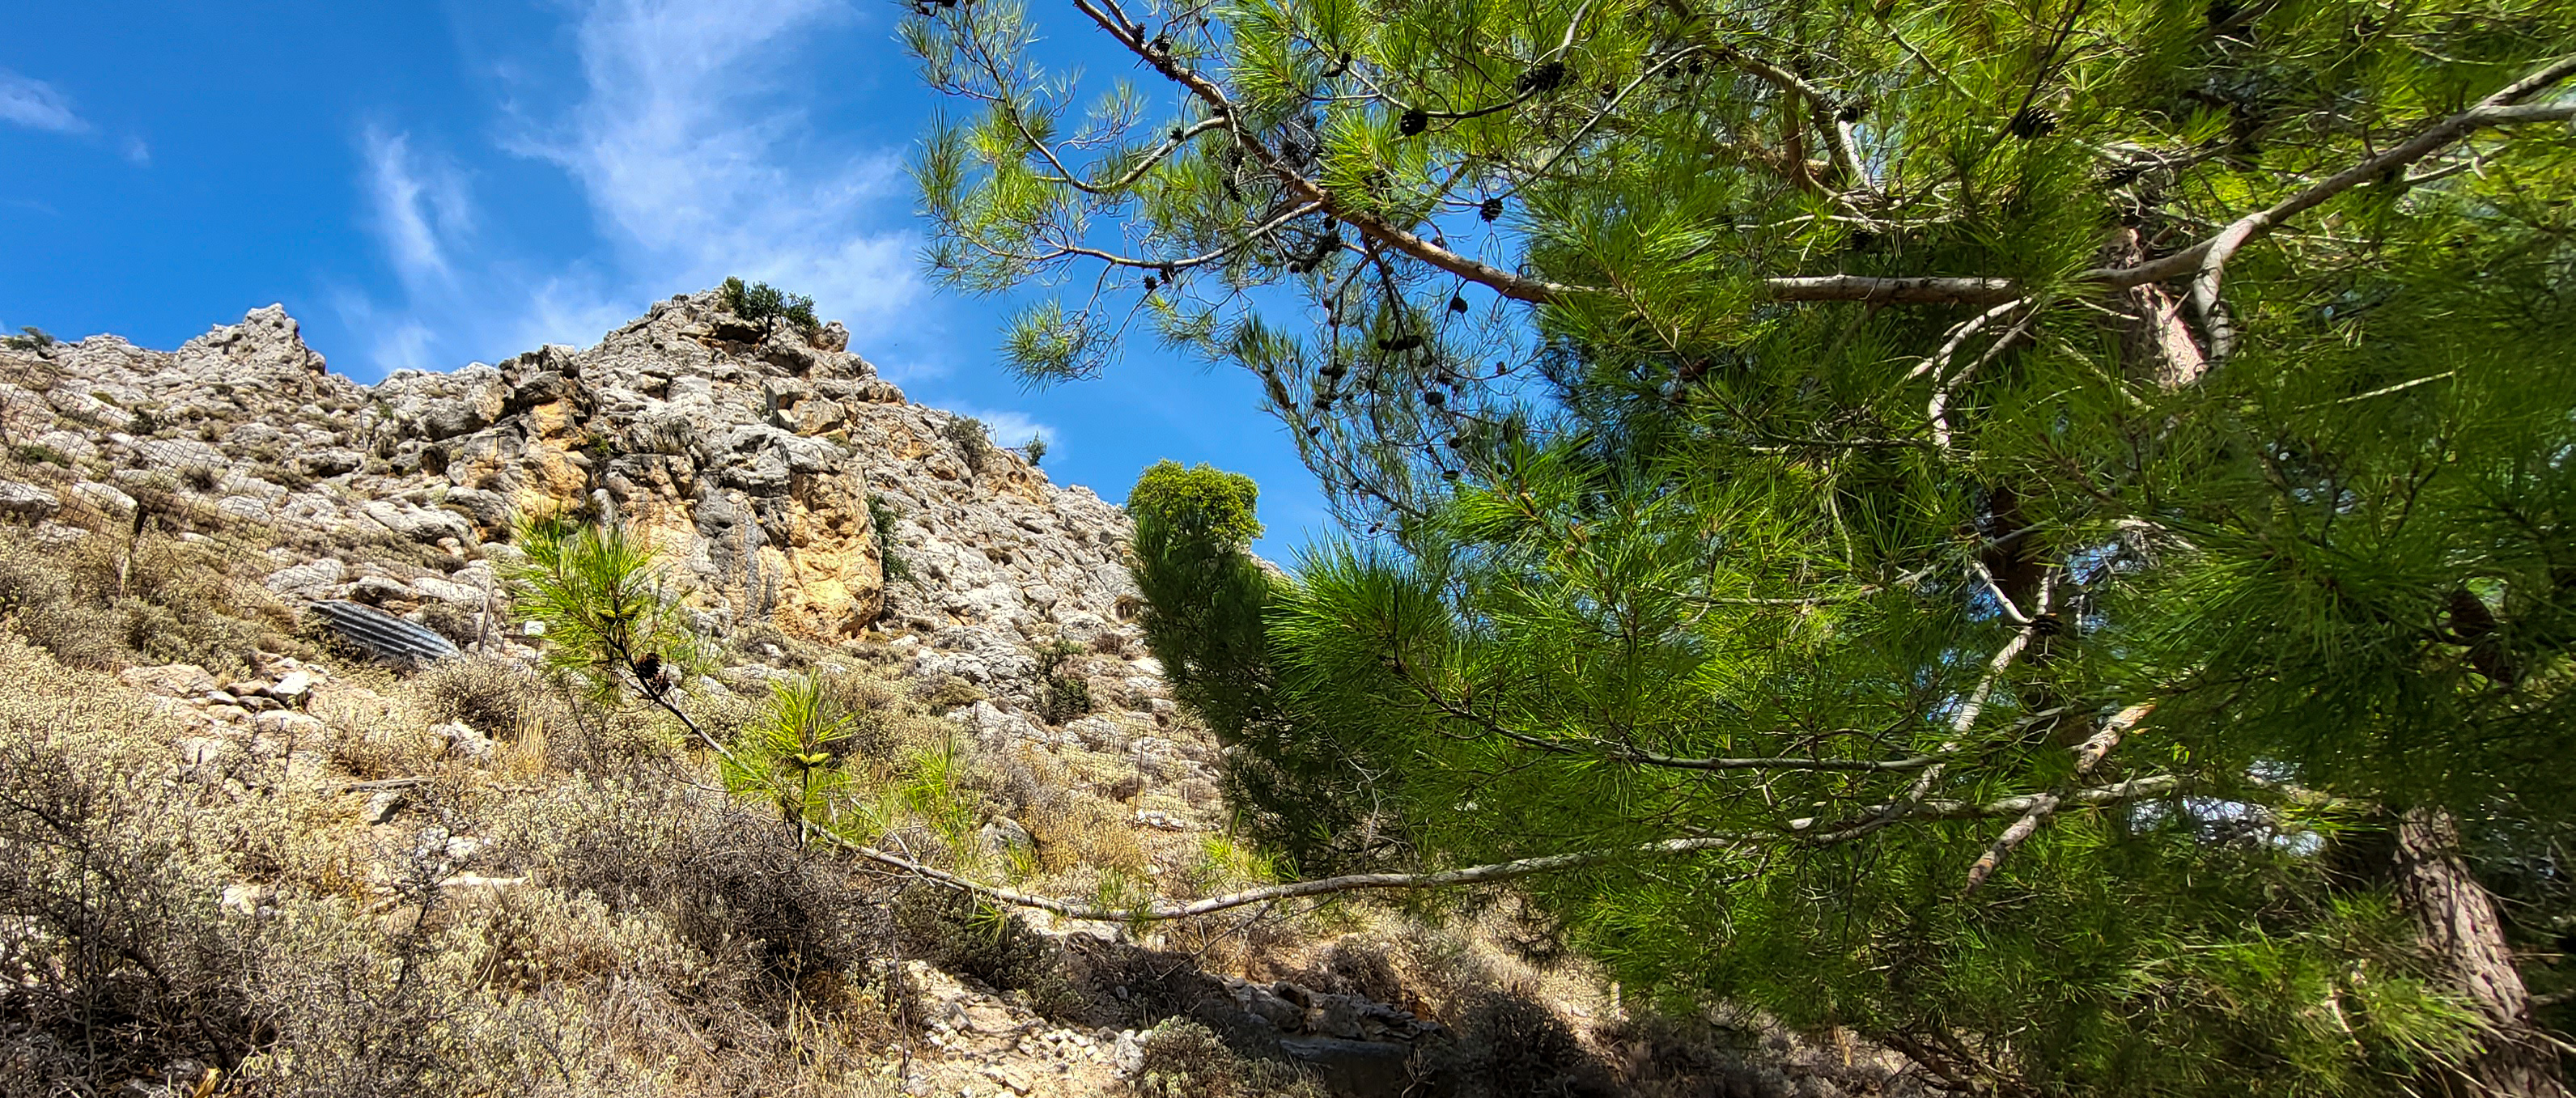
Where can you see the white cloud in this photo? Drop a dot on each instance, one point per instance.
(26, 101)
(697, 164)
(694, 163)
(136, 152)
(416, 206)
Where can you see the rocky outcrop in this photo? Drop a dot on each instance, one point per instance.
(761, 463)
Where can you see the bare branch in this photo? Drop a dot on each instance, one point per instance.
(1356, 882)
(1169, 145)
(1846, 152)
(1116, 260)
(1939, 359)
(1894, 291)
(2135, 789)
(2088, 755)
(2207, 261)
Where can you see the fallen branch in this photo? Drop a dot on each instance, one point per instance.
(1356, 882)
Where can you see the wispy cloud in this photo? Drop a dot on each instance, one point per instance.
(417, 207)
(698, 163)
(27, 101)
(694, 162)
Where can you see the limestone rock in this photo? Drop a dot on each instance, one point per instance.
(381, 805)
(1005, 837)
(26, 502)
(309, 576)
(176, 680)
(756, 462)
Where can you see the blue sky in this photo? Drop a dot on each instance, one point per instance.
(430, 185)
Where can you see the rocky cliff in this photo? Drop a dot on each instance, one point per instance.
(774, 469)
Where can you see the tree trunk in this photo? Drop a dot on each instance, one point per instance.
(2154, 342)
(2460, 928)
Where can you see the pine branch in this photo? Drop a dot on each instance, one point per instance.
(1518, 287)
(2495, 110)
(1846, 150)
(2136, 789)
(2206, 261)
(1115, 260)
(1611, 752)
(1893, 291)
(1875, 817)
(2088, 755)
(1167, 148)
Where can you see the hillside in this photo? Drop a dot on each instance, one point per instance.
(241, 854)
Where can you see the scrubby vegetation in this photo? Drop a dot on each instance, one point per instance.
(764, 304)
(600, 900)
(973, 440)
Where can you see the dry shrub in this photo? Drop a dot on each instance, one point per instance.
(731, 883)
(494, 696)
(963, 935)
(175, 602)
(947, 692)
(37, 593)
(1127, 788)
(1184, 1059)
(585, 737)
(1083, 830)
(882, 719)
(762, 641)
(109, 904)
(372, 738)
(1509, 1044)
(692, 947)
(460, 625)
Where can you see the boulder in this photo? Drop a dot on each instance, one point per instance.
(26, 502)
(176, 680)
(306, 577)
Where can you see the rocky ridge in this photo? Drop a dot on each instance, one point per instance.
(758, 461)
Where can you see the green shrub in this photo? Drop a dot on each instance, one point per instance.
(1062, 695)
(1203, 503)
(761, 303)
(974, 440)
(884, 516)
(35, 339)
(1036, 450)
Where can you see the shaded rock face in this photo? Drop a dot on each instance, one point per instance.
(748, 457)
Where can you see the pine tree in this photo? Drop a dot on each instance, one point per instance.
(1206, 600)
(2049, 520)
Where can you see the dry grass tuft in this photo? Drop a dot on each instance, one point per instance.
(1184, 1059)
